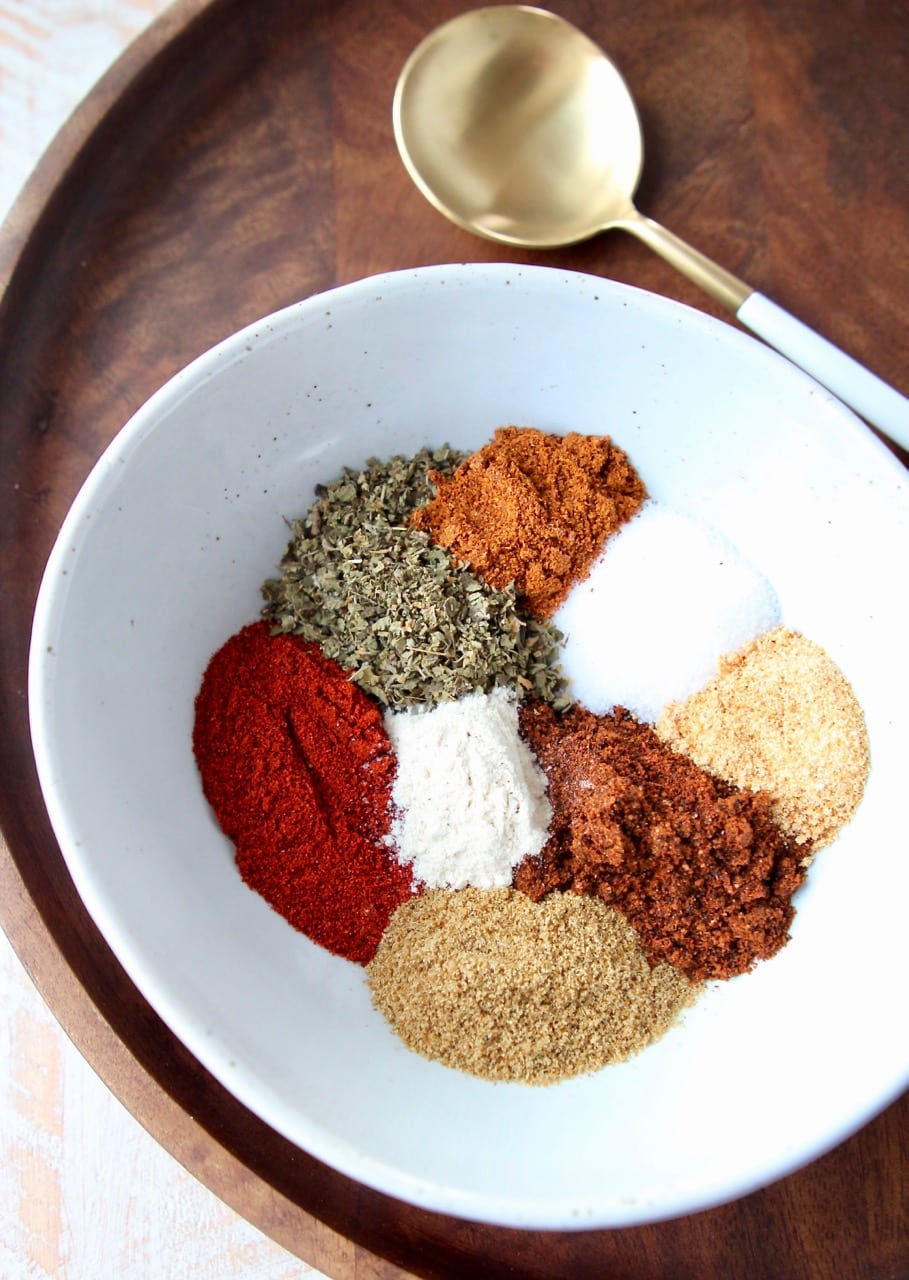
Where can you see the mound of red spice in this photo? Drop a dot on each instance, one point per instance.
(696, 865)
(297, 766)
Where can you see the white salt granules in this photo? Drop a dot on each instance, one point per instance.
(667, 597)
(469, 797)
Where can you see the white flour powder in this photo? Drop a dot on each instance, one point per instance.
(470, 799)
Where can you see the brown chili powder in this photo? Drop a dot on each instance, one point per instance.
(780, 717)
(697, 865)
(491, 983)
(533, 509)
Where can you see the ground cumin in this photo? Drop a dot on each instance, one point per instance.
(489, 982)
(780, 717)
(697, 866)
(533, 509)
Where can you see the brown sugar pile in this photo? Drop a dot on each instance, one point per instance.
(698, 866)
(533, 509)
(486, 981)
(780, 717)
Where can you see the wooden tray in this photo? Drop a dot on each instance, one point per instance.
(240, 157)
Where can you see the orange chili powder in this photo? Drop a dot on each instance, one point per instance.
(533, 509)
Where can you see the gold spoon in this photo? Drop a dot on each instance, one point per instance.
(517, 127)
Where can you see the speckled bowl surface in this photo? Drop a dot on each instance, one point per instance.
(161, 559)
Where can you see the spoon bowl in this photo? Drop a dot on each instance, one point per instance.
(517, 127)
(492, 115)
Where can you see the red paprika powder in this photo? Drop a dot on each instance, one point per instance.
(297, 766)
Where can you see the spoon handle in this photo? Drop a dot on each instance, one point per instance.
(875, 400)
(725, 288)
(866, 393)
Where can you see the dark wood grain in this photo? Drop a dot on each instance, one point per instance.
(240, 157)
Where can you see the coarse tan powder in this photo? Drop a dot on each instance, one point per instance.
(491, 983)
(780, 717)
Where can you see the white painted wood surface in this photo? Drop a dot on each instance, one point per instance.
(85, 1192)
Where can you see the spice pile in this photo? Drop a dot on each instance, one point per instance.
(409, 624)
(469, 748)
(695, 599)
(504, 512)
(497, 985)
(537, 886)
(695, 864)
(297, 766)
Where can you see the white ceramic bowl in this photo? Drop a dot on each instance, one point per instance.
(161, 559)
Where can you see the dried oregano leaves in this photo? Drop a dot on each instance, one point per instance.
(411, 625)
